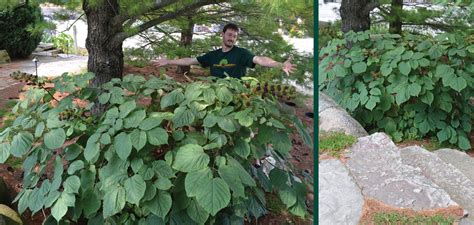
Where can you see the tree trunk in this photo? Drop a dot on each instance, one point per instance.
(186, 40)
(395, 23)
(105, 56)
(355, 15)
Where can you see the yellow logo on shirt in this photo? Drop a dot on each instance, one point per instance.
(224, 63)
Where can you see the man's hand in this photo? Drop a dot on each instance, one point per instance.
(161, 61)
(288, 67)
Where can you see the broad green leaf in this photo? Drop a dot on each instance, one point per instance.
(443, 135)
(61, 206)
(158, 136)
(386, 69)
(75, 166)
(150, 123)
(231, 176)
(193, 91)
(278, 178)
(404, 68)
(414, 89)
(243, 174)
(463, 143)
(224, 95)
(190, 157)
(287, 196)
(4, 152)
(114, 201)
(163, 183)
(21, 143)
(105, 139)
(55, 138)
(458, 83)
(135, 189)
(91, 202)
(104, 98)
(213, 196)
(136, 164)
(243, 117)
(375, 91)
(72, 184)
(209, 95)
(172, 98)
(427, 98)
(299, 209)
(226, 124)
(134, 119)
(160, 205)
(195, 180)
(91, 150)
(339, 70)
(183, 117)
(444, 70)
(372, 102)
(242, 148)
(197, 213)
(281, 142)
(39, 129)
(210, 120)
(138, 139)
(163, 169)
(359, 67)
(123, 145)
(126, 108)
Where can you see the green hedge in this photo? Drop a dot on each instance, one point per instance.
(409, 87)
(16, 30)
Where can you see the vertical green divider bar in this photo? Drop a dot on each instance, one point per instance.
(315, 117)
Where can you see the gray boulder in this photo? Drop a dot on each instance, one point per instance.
(458, 159)
(333, 118)
(340, 199)
(377, 167)
(447, 176)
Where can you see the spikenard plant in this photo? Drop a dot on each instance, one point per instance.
(409, 87)
(162, 153)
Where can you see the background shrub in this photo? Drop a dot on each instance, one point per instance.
(18, 33)
(409, 87)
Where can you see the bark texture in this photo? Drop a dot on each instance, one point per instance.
(355, 15)
(186, 40)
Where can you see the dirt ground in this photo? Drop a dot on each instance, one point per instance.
(301, 155)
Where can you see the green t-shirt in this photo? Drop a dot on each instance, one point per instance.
(233, 62)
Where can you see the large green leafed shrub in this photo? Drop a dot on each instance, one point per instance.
(409, 87)
(18, 34)
(162, 153)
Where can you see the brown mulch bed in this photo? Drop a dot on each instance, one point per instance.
(301, 155)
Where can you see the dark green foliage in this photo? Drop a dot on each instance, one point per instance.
(327, 32)
(185, 157)
(409, 87)
(16, 30)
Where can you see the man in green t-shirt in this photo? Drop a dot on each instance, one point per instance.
(229, 59)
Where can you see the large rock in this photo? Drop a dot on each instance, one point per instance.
(340, 199)
(458, 159)
(447, 176)
(325, 102)
(376, 165)
(4, 57)
(333, 118)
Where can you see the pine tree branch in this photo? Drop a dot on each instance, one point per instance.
(124, 35)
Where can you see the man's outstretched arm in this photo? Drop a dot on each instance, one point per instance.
(286, 66)
(163, 61)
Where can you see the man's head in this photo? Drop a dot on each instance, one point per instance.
(229, 34)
